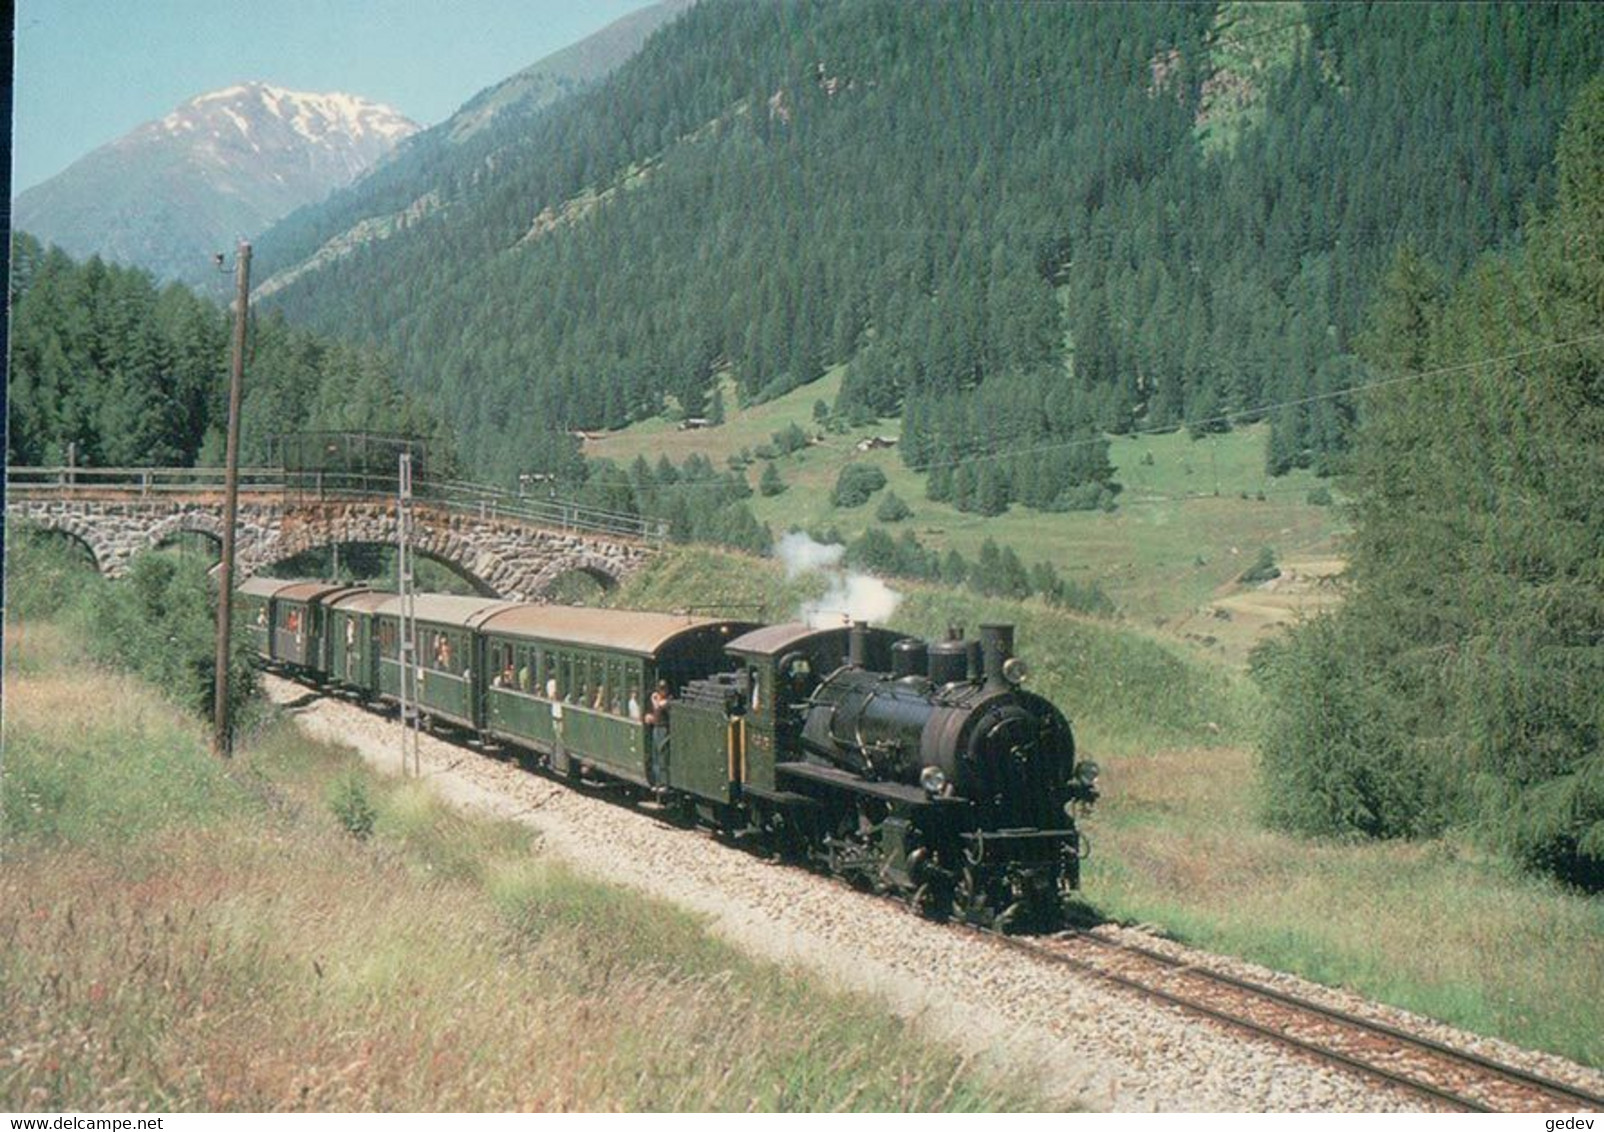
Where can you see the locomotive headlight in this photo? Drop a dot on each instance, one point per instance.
(933, 779)
(1015, 670)
(1086, 773)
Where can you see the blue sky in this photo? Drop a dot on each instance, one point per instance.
(88, 71)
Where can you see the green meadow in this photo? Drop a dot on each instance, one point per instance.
(1193, 514)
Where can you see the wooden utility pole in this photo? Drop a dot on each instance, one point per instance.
(411, 708)
(222, 740)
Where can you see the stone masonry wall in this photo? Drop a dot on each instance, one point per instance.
(501, 556)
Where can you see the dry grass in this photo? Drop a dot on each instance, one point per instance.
(228, 946)
(1437, 927)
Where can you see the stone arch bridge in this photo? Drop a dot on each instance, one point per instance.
(503, 546)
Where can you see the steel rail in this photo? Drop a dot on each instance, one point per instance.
(1507, 1073)
(1473, 1060)
(1255, 1028)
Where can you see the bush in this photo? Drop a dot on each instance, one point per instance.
(875, 552)
(1083, 497)
(789, 439)
(855, 484)
(1084, 597)
(892, 509)
(954, 569)
(1557, 826)
(351, 805)
(1262, 570)
(999, 573)
(1336, 757)
(1319, 497)
(770, 482)
(1065, 593)
(161, 623)
(45, 572)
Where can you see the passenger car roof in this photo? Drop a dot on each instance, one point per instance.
(773, 639)
(830, 641)
(311, 591)
(266, 587)
(361, 601)
(445, 609)
(632, 631)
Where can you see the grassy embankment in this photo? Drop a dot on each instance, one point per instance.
(1190, 518)
(1437, 927)
(184, 935)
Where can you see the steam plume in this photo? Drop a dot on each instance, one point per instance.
(852, 596)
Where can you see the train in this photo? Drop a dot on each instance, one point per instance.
(923, 770)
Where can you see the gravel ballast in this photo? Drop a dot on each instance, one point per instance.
(1081, 1042)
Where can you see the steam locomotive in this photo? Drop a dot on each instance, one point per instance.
(919, 769)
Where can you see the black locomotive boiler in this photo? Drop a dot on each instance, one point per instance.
(920, 769)
(923, 769)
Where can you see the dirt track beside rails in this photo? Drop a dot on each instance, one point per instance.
(1084, 1043)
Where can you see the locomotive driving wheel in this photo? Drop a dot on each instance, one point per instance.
(971, 903)
(992, 899)
(935, 895)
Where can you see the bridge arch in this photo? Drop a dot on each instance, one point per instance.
(271, 555)
(602, 571)
(185, 522)
(86, 535)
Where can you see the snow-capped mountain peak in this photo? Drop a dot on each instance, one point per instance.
(244, 156)
(317, 118)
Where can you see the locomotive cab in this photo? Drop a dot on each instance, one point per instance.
(785, 665)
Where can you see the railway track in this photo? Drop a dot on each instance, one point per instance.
(1449, 1078)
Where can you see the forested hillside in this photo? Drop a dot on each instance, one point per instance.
(134, 375)
(1464, 679)
(1085, 218)
(427, 173)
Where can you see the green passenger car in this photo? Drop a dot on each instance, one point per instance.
(288, 619)
(254, 600)
(450, 674)
(575, 685)
(300, 622)
(353, 637)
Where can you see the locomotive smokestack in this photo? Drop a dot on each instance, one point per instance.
(997, 645)
(858, 644)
